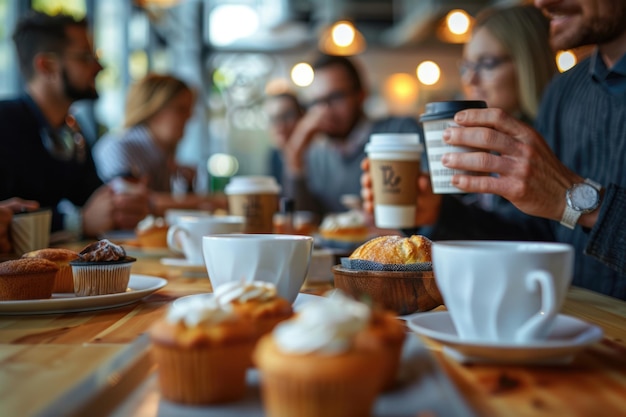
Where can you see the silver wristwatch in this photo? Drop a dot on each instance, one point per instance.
(580, 198)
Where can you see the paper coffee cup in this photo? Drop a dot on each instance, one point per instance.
(256, 199)
(438, 117)
(31, 231)
(394, 168)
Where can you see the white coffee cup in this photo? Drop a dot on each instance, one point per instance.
(438, 117)
(503, 292)
(186, 235)
(394, 169)
(31, 230)
(280, 259)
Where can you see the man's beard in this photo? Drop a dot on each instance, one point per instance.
(600, 30)
(74, 93)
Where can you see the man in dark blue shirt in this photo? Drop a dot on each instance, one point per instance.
(44, 156)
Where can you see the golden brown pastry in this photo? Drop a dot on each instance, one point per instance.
(395, 250)
(27, 279)
(63, 281)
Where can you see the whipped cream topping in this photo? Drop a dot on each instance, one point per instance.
(326, 326)
(244, 291)
(199, 311)
(102, 251)
(149, 222)
(352, 218)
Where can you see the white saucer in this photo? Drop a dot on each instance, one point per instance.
(301, 299)
(181, 263)
(569, 336)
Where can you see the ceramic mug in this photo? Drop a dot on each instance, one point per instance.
(503, 292)
(280, 259)
(186, 235)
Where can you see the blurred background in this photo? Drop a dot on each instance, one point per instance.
(234, 51)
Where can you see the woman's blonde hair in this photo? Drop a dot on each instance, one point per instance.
(149, 95)
(525, 32)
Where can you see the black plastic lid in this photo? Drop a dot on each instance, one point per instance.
(447, 109)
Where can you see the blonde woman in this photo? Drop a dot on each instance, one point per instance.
(157, 109)
(509, 61)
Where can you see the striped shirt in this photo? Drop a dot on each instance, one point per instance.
(133, 151)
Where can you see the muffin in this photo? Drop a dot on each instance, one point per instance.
(202, 350)
(310, 365)
(27, 279)
(256, 301)
(152, 232)
(64, 281)
(102, 268)
(386, 332)
(396, 250)
(348, 227)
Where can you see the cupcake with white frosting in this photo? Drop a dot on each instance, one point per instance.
(257, 301)
(202, 349)
(311, 366)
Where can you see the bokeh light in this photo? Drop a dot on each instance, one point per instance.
(428, 73)
(302, 74)
(565, 60)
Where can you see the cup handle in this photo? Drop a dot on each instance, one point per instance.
(172, 241)
(537, 324)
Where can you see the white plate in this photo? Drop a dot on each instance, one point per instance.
(182, 263)
(569, 336)
(301, 299)
(139, 286)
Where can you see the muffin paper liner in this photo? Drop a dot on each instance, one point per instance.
(99, 279)
(363, 265)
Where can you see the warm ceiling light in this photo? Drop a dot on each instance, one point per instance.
(302, 74)
(342, 38)
(565, 60)
(428, 73)
(458, 21)
(343, 34)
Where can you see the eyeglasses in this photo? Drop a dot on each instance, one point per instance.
(333, 99)
(484, 68)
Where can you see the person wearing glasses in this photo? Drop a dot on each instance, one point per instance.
(566, 177)
(44, 155)
(323, 156)
(508, 62)
(284, 111)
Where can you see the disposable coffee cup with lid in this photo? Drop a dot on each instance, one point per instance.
(394, 169)
(256, 198)
(438, 117)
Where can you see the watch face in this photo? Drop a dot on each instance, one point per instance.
(583, 197)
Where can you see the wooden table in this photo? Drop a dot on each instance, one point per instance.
(53, 359)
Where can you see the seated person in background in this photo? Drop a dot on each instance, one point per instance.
(283, 111)
(157, 110)
(7, 208)
(43, 157)
(323, 155)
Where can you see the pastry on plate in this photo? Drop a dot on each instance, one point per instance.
(27, 279)
(64, 281)
(102, 268)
